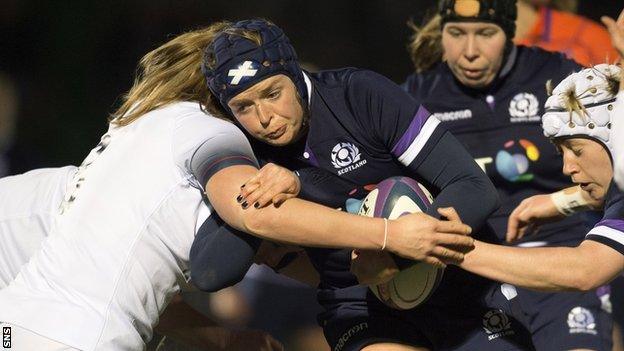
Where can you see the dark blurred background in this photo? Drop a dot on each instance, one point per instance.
(69, 61)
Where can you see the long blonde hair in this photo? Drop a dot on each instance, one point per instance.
(425, 47)
(171, 72)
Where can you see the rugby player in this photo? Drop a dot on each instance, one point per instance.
(119, 248)
(358, 126)
(490, 93)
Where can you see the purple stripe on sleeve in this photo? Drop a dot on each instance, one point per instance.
(617, 224)
(412, 131)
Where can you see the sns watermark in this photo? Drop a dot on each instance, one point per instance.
(6, 337)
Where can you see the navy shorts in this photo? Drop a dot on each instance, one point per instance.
(569, 320)
(455, 318)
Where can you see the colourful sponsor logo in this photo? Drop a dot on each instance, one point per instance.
(513, 162)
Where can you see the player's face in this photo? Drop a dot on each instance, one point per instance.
(588, 164)
(270, 110)
(473, 51)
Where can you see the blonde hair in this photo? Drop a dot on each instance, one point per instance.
(425, 47)
(169, 73)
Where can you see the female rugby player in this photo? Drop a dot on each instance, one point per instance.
(359, 127)
(119, 249)
(489, 93)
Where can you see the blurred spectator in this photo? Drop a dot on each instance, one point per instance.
(552, 25)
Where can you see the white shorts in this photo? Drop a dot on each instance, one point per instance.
(29, 203)
(21, 339)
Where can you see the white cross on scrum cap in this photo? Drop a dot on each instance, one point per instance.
(245, 69)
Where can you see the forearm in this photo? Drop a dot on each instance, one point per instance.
(307, 224)
(296, 221)
(573, 199)
(545, 269)
(462, 184)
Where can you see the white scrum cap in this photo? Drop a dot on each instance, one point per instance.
(583, 105)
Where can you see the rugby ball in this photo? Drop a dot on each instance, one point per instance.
(392, 198)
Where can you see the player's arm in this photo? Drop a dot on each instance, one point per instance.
(544, 208)
(225, 167)
(585, 267)
(418, 141)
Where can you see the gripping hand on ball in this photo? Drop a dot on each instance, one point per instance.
(418, 236)
(272, 184)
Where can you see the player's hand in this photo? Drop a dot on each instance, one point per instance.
(252, 340)
(530, 214)
(616, 29)
(272, 183)
(372, 267)
(420, 237)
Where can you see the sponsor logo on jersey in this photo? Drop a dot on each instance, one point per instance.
(523, 108)
(513, 162)
(243, 72)
(496, 324)
(349, 334)
(581, 320)
(346, 157)
(453, 115)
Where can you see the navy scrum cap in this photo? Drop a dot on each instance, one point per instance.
(500, 12)
(241, 63)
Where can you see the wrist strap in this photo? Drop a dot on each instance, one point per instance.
(569, 204)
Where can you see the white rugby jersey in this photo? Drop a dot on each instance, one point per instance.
(29, 203)
(120, 247)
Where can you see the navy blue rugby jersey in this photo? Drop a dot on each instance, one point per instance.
(364, 128)
(501, 128)
(610, 229)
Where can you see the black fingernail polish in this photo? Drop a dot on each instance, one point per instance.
(244, 205)
(239, 198)
(257, 205)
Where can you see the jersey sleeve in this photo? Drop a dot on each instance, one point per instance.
(430, 153)
(400, 123)
(204, 145)
(610, 230)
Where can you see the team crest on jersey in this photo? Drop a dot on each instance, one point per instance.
(581, 320)
(524, 107)
(346, 157)
(496, 324)
(243, 72)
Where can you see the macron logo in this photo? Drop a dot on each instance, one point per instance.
(244, 70)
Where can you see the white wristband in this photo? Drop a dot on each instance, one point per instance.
(385, 242)
(569, 204)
